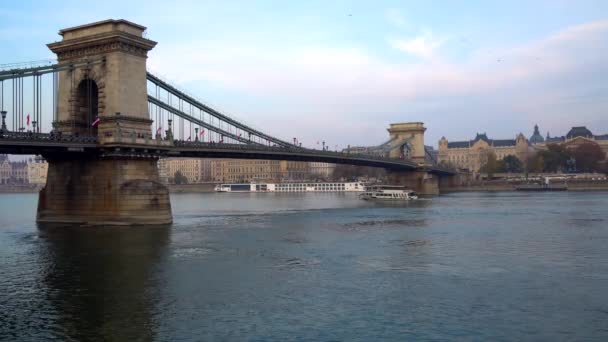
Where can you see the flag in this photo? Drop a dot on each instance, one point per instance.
(28, 119)
(96, 122)
(160, 129)
(202, 132)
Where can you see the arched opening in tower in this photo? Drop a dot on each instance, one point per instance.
(88, 111)
(405, 151)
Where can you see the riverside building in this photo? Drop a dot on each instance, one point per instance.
(472, 154)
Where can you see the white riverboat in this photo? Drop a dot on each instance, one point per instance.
(291, 187)
(388, 193)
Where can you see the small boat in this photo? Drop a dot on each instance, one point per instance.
(547, 184)
(389, 193)
(542, 187)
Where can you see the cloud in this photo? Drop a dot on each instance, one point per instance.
(350, 93)
(423, 46)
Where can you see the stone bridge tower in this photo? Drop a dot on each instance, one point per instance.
(112, 186)
(113, 82)
(407, 141)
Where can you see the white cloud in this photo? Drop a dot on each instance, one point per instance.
(423, 46)
(355, 94)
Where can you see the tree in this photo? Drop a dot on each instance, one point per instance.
(179, 178)
(500, 166)
(512, 164)
(536, 164)
(588, 157)
(556, 157)
(491, 165)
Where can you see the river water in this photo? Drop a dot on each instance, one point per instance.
(314, 267)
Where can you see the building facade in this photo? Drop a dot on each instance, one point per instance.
(295, 171)
(473, 154)
(321, 170)
(5, 169)
(37, 170)
(19, 172)
(195, 170)
(576, 136)
(245, 170)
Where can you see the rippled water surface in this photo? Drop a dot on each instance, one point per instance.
(263, 267)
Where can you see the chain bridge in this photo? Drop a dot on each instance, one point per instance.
(102, 121)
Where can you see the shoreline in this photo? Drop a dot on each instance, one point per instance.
(209, 188)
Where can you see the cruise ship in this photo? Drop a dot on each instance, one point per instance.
(291, 187)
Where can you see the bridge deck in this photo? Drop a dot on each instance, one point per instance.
(73, 146)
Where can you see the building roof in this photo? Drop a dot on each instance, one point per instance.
(601, 137)
(484, 137)
(580, 131)
(503, 142)
(536, 137)
(459, 144)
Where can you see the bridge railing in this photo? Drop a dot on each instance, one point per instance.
(49, 137)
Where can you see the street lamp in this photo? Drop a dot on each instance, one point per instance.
(169, 134)
(3, 129)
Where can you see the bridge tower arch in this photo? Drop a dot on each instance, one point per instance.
(86, 106)
(111, 186)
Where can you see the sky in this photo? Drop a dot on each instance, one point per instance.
(342, 71)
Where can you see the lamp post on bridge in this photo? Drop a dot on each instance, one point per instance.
(34, 126)
(3, 129)
(196, 132)
(169, 133)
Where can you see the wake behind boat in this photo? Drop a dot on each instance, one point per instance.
(389, 193)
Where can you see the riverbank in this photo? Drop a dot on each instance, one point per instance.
(191, 188)
(510, 186)
(481, 187)
(25, 188)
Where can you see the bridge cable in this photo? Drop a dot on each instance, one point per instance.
(169, 88)
(182, 115)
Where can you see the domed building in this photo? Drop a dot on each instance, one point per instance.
(472, 154)
(536, 138)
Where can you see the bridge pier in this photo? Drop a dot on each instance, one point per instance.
(104, 192)
(422, 182)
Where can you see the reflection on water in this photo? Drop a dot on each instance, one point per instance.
(94, 283)
(506, 266)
